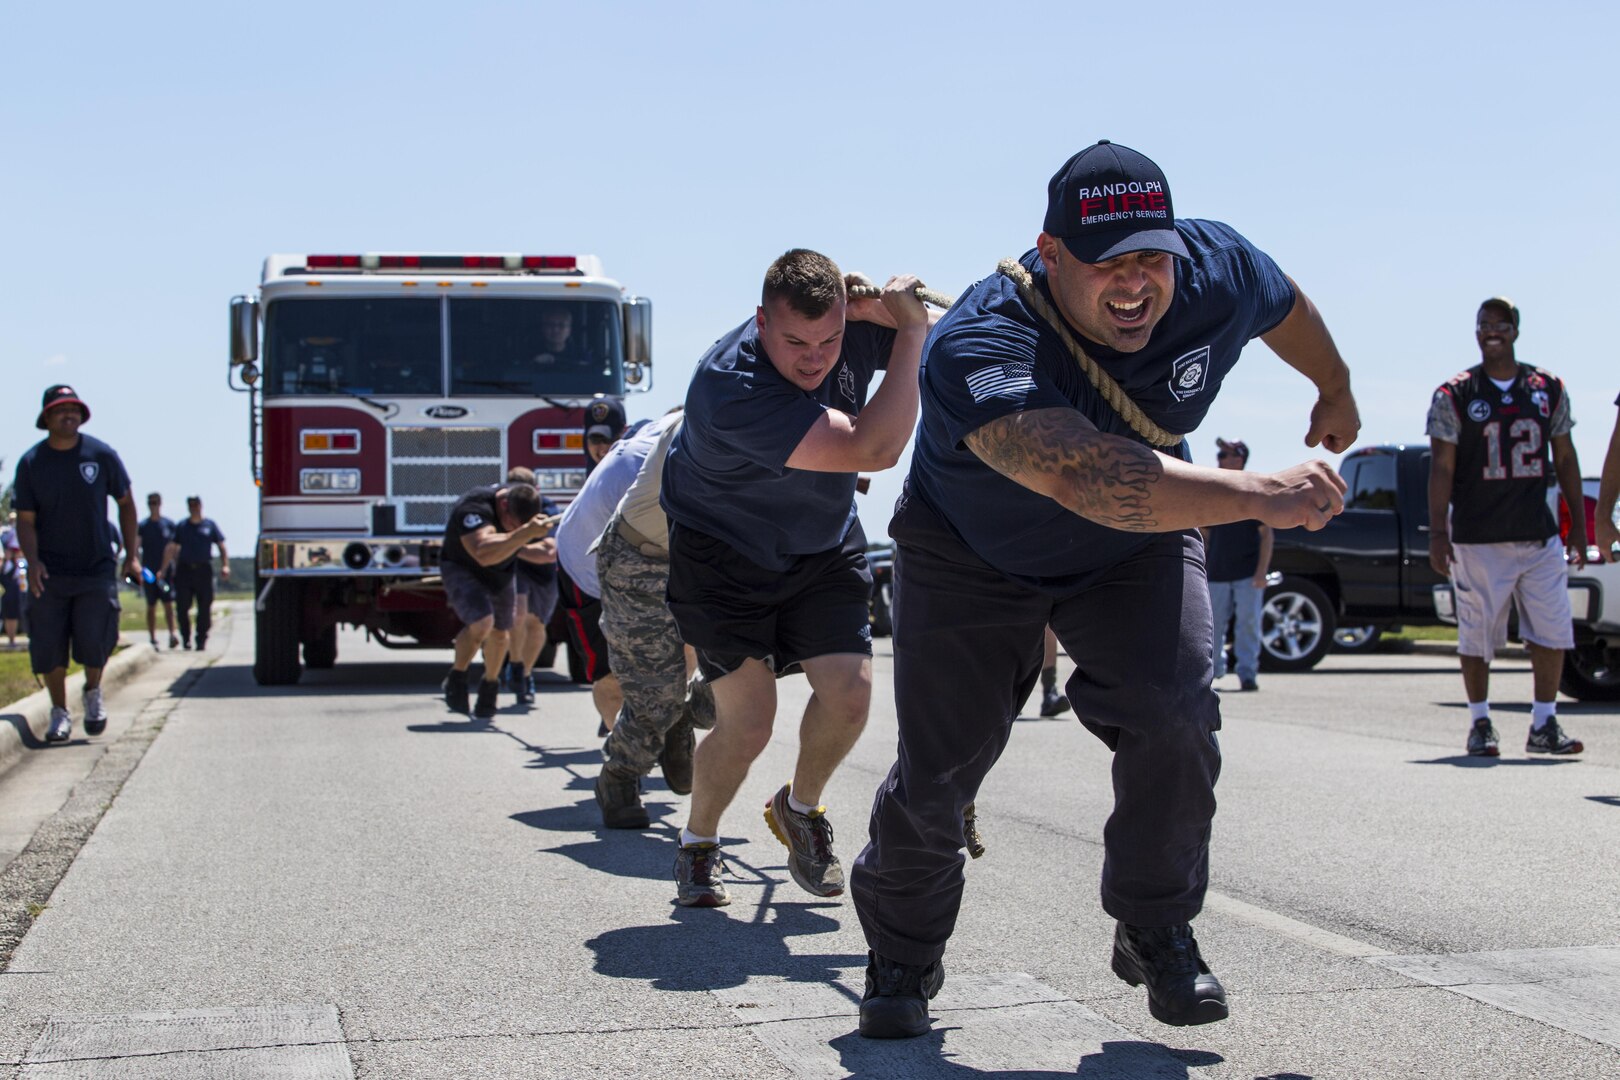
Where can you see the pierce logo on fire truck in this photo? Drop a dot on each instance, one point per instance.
(446, 412)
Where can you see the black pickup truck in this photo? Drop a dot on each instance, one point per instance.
(1368, 571)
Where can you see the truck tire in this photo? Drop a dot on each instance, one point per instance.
(1357, 639)
(1592, 673)
(275, 637)
(1296, 626)
(882, 613)
(320, 654)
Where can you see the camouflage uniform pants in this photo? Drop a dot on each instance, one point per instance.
(646, 654)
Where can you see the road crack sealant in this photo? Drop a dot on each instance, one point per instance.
(27, 882)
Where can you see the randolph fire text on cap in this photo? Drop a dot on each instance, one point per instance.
(1109, 201)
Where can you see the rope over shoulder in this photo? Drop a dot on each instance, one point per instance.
(1104, 383)
(922, 292)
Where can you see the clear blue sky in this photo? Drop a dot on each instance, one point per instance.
(1401, 161)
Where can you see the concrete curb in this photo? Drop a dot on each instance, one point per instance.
(22, 724)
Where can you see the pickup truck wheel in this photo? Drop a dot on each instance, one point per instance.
(882, 598)
(1592, 673)
(1357, 639)
(1296, 626)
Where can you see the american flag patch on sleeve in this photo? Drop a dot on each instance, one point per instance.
(1002, 380)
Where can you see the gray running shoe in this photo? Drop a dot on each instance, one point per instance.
(95, 712)
(700, 876)
(1482, 739)
(1547, 739)
(61, 729)
(809, 840)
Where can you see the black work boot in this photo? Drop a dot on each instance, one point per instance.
(488, 695)
(619, 796)
(1181, 990)
(676, 756)
(895, 1005)
(455, 692)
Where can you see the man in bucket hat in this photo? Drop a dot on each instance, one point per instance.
(1050, 485)
(62, 487)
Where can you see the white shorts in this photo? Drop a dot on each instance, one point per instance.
(1531, 574)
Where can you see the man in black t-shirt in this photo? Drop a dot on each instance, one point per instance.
(1236, 558)
(536, 587)
(62, 487)
(486, 531)
(767, 558)
(156, 533)
(189, 557)
(1495, 431)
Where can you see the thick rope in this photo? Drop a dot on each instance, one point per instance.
(1104, 383)
(922, 292)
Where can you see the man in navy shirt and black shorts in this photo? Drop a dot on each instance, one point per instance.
(487, 532)
(62, 488)
(1032, 500)
(767, 558)
(156, 533)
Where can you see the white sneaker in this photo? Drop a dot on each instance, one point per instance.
(61, 729)
(95, 713)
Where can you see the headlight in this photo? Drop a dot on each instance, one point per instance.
(559, 479)
(328, 481)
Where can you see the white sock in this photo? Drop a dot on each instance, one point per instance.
(688, 839)
(1540, 713)
(796, 806)
(1479, 710)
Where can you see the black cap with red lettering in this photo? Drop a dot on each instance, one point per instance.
(60, 394)
(1109, 201)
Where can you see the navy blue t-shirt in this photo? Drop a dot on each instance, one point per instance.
(197, 540)
(68, 490)
(990, 356)
(155, 536)
(726, 474)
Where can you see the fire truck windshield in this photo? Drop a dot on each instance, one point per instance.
(526, 346)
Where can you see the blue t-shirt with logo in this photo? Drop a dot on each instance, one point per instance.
(197, 539)
(990, 356)
(726, 474)
(155, 535)
(68, 490)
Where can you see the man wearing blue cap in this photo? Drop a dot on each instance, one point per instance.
(1050, 484)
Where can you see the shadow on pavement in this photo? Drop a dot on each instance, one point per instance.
(25, 734)
(1466, 761)
(1606, 800)
(229, 680)
(707, 949)
(879, 1059)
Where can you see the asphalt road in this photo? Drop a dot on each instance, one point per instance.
(341, 879)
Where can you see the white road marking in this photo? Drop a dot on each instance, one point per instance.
(1576, 989)
(293, 1042)
(995, 1023)
(1299, 931)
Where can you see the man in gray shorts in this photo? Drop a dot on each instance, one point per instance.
(486, 531)
(1496, 430)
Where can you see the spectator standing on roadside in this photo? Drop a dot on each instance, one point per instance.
(487, 530)
(13, 586)
(1606, 534)
(1495, 431)
(536, 570)
(62, 487)
(1237, 556)
(189, 557)
(156, 533)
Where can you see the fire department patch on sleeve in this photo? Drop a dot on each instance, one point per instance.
(472, 521)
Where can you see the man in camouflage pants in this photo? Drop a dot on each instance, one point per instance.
(656, 722)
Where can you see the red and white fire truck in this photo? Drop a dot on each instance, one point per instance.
(381, 388)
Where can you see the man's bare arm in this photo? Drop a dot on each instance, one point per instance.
(490, 548)
(129, 527)
(540, 552)
(1567, 466)
(1124, 485)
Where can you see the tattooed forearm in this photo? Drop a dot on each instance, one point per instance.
(1059, 453)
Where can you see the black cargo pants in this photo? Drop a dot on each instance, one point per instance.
(967, 651)
(194, 581)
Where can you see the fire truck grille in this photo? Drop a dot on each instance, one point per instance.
(433, 467)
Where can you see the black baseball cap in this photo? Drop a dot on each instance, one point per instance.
(1109, 201)
(604, 419)
(60, 394)
(1502, 303)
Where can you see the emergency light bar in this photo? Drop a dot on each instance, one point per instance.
(442, 262)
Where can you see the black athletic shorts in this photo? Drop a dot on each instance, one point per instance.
(539, 598)
(729, 608)
(74, 614)
(473, 600)
(582, 613)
